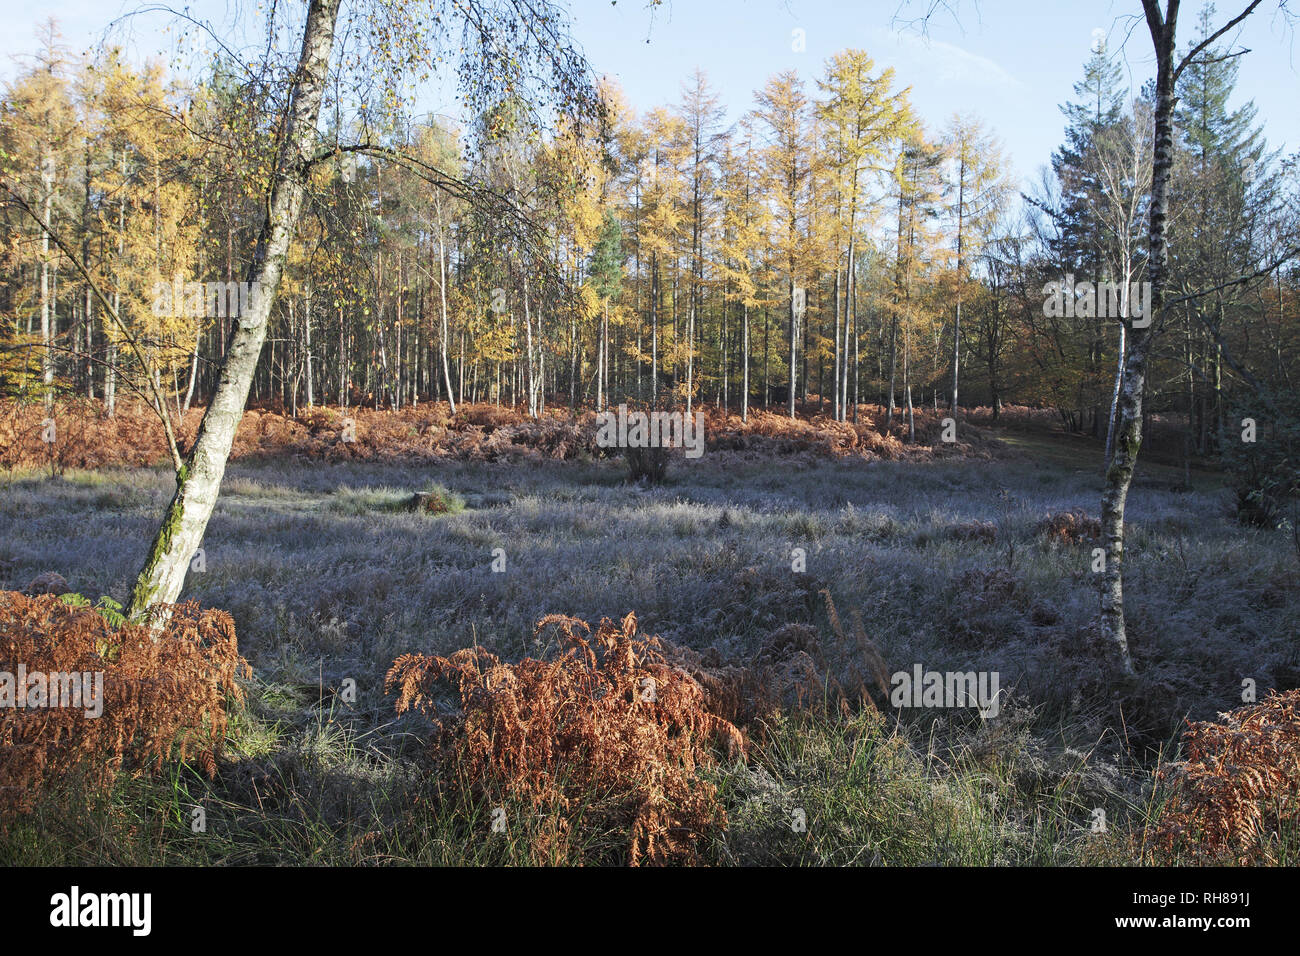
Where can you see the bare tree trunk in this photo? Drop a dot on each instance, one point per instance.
(306, 330)
(690, 353)
(835, 368)
(600, 362)
(857, 346)
(1128, 433)
(1114, 397)
(654, 330)
(956, 322)
(744, 397)
(194, 373)
(199, 478)
(531, 364)
(794, 345)
(47, 332)
(442, 293)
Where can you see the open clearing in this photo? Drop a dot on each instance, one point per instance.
(330, 577)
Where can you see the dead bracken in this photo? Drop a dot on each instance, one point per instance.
(163, 698)
(607, 727)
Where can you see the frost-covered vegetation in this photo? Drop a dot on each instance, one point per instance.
(956, 565)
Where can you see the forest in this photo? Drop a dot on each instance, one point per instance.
(287, 355)
(827, 248)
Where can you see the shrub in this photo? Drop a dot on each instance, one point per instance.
(985, 607)
(607, 729)
(161, 698)
(438, 501)
(981, 531)
(793, 670)
(1070, 527)
(1264, 483)
(648, 464)
(1266, 471)
(1239, 786)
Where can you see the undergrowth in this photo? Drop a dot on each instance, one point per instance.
(162, 689)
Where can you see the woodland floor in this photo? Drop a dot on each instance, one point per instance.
(330, 577)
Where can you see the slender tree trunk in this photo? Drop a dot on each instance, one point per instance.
(1128, 433)
(835, 367)
(956, 322)
(744, 395)
(654, 329)
(199, 478)
(442, 297)
(600, 362)
(794, 343)
(306, 322)
(1114, 396)
(47, 331)
(194, 373)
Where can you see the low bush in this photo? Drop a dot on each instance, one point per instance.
(1237, 796)
(647, 464)
(1070, 527)
(163, 691)
(605, 732)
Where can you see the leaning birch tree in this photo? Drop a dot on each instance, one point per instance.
(504, 47)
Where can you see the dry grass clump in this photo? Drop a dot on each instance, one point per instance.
(869, 663)
(986, 607)
(47, 582)
(1070, 527)
(646, 464)
(161, 698)
(793, 670)
(982, 531)
(1239, 789)
(486, 416)
(607, 728)
(439, 501)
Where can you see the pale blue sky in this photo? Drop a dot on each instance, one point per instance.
(1011, 62)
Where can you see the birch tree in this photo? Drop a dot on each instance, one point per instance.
(506, 43)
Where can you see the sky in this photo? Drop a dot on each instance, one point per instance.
(1011, 63)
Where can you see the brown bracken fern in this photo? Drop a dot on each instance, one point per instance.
(607, 729)
(162, 699)
(1239, 786)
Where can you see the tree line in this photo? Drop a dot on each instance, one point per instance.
(825, 249)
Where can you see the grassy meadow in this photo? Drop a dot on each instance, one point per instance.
(330, 576)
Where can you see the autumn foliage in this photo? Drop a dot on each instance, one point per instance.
(86, 437)
(1239, 785)
(606, 728)
(1070, 527)
(162, 699)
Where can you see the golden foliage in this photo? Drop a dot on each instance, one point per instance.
(607, 728)
(1239, 785)
(161, 698)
